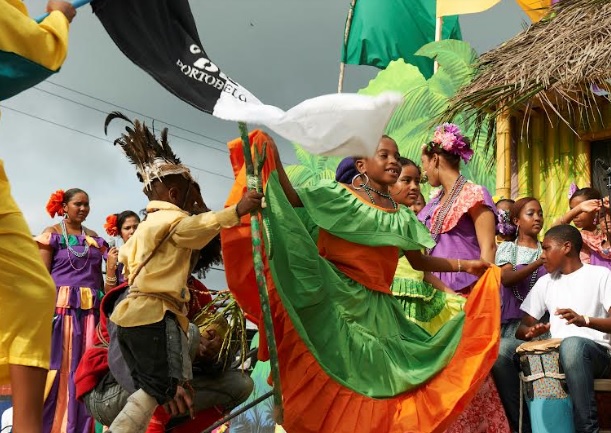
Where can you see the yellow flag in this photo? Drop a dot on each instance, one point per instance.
(535, 9)
(459, 7)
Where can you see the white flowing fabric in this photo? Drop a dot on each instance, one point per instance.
(340, 124)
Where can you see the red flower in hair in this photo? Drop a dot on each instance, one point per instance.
(111, 225)
(55, 203)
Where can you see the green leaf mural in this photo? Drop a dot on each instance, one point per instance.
(412, 123)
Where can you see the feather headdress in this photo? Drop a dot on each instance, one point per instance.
(153, 158)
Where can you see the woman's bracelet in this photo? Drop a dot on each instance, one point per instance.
(459, 266)
(111, 280)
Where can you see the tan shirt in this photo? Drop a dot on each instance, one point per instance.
(162, 283)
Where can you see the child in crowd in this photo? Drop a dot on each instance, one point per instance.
(151, 321)
(419, 204)
(586, 209)
(522, 266)
(505, 229)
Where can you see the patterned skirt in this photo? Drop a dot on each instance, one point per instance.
(76, 316)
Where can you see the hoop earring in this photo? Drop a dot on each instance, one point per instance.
(362, 183)
(66, 216)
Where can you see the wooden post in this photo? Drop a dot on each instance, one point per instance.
(254, 182)
(503, 155)
(342, 65)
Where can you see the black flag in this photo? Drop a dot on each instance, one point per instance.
(160, 36)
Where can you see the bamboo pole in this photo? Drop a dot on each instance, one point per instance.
(524, 164)
(582, 162)
(503, 155)
(552, 159)
(342, 65)
(537, 155)
(254, 182)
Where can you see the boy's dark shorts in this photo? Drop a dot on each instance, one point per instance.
(157, 357)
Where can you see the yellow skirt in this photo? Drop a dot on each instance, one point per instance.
(27, 292)
(423, 304)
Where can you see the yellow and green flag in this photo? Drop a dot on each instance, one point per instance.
(461, 7)
(536, 9)
(385, 30)
(29, 52)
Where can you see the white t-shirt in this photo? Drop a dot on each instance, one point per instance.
(585, 291)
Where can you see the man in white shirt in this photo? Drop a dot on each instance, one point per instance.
(578, 298)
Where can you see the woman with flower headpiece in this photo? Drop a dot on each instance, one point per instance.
(73, 254)
(462, 216)
(586, 208)
(462, 221)
(121, 225)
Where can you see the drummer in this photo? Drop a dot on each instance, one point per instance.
(578, 298)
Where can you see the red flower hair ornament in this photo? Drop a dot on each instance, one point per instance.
(111, 225)
(55, 203)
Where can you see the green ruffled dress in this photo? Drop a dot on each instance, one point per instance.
(360, 337)
(423, 304)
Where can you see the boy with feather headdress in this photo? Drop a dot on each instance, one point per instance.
(151, 321)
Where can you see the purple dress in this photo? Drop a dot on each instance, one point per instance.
(510, 303)
(79, 286)
(457, 238)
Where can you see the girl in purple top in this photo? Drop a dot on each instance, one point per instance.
(462, 217)
(121, 225)
(73, 255)
(521, 267)
(520, 262)
(586, 206)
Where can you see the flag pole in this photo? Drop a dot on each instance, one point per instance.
(254, 182)
(438, 28)
(77, 4)
(342, 65)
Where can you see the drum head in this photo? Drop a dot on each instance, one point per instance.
(539, 346)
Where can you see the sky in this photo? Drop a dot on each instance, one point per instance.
(282, 51)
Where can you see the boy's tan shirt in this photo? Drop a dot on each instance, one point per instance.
(161, 284)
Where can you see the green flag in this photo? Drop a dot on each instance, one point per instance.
(386, 30)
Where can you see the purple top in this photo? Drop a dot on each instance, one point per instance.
(119, 273)
(510, 303)
(598, 260)
(460, 240)
(69, 270)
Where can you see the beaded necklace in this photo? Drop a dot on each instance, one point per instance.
(533, 276)
(72, 250)
(445, 208)
(368, 190)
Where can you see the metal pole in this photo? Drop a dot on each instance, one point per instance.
(243, 409)
(342, 65)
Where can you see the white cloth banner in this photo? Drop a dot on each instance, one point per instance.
(340, 124)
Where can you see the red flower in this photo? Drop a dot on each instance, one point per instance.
(55, 203)
(111, 225)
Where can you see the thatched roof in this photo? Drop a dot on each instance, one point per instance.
(552, 65)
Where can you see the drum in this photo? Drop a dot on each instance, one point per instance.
(544, 387)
